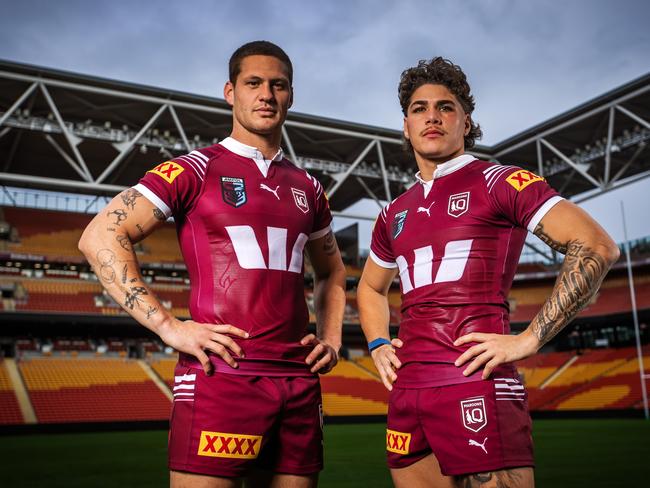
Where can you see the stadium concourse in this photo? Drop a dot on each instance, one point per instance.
(71, 355)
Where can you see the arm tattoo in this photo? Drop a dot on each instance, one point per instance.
(159, 215)
(124, 269)
(504, 479)
(580, 277)
(129, 197)
(151, 311)
(139, 227)
(124, 242)
(329, 246)
(548, 240)
(133, 297)
(106, 259)
(120, 216)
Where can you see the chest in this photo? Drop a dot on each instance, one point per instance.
(235, 196)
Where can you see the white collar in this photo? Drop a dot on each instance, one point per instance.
(447, 168)
(444, 169)
(251, 152)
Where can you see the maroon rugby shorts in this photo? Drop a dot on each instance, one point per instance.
(470, 427)
(224, 424)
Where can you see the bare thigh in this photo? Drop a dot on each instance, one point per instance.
(504, 478)
(179, 479)
(426, 473)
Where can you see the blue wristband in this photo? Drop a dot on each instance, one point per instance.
(372, 345)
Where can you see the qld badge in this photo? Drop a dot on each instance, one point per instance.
(233, 191)
(398, 223)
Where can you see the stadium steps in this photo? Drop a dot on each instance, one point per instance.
(606, 368)
(559, 372)
(156, 379)
(22, 397)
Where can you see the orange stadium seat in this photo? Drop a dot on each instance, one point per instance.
(351, 390)
(92, 390)
(9, 410)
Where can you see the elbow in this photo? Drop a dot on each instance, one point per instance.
(613, 252)
(608, 249)
(84, 242)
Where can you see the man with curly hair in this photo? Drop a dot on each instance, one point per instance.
(455, 239)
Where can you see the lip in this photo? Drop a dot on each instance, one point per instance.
(266, 111)
(433, 133)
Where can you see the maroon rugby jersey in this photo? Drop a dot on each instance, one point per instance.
(456, 242)
(242, 225)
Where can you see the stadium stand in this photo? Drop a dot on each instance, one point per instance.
(9, 410)
(351, 390)
(92, 390)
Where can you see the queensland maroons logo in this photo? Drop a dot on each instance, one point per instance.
(300, 199)
(473, 412)
(233, 191)
(398, 223)
(458, 204)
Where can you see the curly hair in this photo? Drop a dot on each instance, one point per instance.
(439, 71)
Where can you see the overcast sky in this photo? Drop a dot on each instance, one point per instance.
(527, 61)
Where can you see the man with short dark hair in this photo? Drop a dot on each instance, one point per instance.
(455, 239)
(247, 399)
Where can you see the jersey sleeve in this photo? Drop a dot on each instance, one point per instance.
(522, 196)
(322, 213)
(381, 251)
(172, 186)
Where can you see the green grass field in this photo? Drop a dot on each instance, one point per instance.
(569, 453)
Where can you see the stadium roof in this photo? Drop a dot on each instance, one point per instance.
(66, 131)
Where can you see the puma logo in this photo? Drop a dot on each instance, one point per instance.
(472, 442)
(275, 192)
(423, 209)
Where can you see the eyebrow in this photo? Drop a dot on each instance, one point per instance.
(438, 103)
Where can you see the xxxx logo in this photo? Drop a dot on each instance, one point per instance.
(397, 442)
(168, 171)
(220, 444)
(522, 178)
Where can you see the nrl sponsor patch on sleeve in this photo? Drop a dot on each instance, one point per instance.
(168, 171)
(521, 179)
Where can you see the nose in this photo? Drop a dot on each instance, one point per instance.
(433, 116)
(266, 93)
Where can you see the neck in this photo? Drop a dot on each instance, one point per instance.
(267, 144)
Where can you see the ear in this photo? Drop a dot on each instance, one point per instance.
(229, 93)
(468, 124)
(406, 130)
(290, 97)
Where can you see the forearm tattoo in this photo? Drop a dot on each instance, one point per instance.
(580, 277)
(548, 240)
(106, 259)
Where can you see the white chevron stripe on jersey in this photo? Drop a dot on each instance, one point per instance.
(497, 175)
(185, 377)
(192, 165)
(200, 155)
(201, 164)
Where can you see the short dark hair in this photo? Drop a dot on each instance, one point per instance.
(440, 71)
(261, 48)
